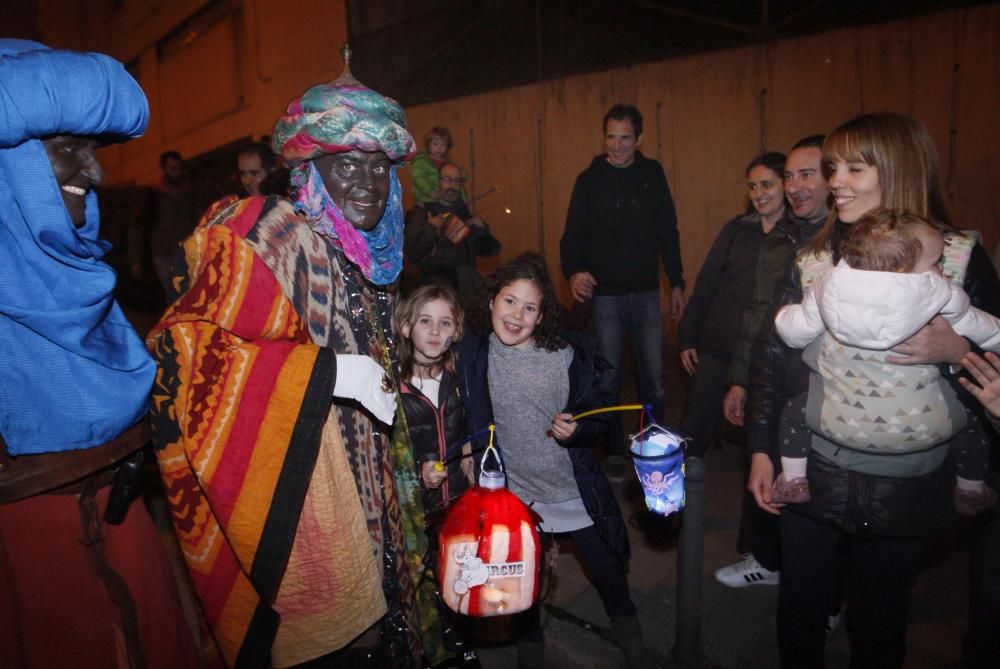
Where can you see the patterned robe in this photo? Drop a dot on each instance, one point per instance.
(299, 518)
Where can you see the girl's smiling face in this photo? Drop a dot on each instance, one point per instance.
(515, 311)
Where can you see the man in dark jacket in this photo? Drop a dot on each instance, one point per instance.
(807, 194)
(621, 223)
(443, 249)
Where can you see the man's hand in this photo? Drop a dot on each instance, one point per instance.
(689, 359)
(360, 378)
(761, 481)
(677, 303)
(437, 221)
(934, 343)
(582, 286)
(987, 374)
(475, 222)
(733, 404)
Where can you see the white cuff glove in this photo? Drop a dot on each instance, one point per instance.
(360, 378)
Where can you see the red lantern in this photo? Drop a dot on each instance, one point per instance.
(489, 551)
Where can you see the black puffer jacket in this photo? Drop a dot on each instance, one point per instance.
(432, 432)
(587, 390)
(856, 502)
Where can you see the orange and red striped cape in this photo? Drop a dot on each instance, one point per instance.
(275, 492)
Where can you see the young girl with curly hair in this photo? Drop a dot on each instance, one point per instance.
(519, 372)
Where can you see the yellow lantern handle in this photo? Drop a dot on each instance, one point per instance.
(490, 447)
(594, 412)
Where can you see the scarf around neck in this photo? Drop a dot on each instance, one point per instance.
(378, 253)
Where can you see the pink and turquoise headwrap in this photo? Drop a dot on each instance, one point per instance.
(335, 118)
(73, 372)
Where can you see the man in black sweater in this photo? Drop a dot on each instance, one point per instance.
(621, 224)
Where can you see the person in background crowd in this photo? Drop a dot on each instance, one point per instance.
(807, 195)
(709, 330)
(620, 225)
(168, 217)
(84, 579)
(425, 171)
(443, 238)
(254, 163)
(987, 374)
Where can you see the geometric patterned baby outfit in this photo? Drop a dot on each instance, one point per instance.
(870, 405)
(867, 404)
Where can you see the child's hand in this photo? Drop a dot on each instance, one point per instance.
(987, 373)
(563, 426)
(432, 475)
(468, 465)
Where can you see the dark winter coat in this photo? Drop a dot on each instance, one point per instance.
(432, 432)
(713, 314)
(621, 223)
(775, 256)
(587, 390)
(856, 502)
(440, 259)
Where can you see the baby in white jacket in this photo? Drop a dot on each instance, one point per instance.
(886, 287)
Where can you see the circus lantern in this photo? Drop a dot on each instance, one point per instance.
(489, 549)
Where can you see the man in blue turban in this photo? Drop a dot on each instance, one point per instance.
(74, 378)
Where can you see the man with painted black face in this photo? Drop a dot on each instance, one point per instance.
(620, 227)
(74, 384)
(303, 527)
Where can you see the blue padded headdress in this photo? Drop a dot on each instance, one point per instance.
(73, 372)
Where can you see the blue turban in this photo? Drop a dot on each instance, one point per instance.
(73, 372)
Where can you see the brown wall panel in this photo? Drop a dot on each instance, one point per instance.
(707, 115)
(975, 166)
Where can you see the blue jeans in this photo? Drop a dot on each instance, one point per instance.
(638, 315)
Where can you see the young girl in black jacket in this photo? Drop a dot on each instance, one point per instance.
(427, 323)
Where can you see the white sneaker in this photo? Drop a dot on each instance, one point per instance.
(746, 572)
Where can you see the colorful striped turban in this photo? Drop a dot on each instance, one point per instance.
(338, 117)
(335, 118)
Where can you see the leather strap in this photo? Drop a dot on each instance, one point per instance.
(28, 475)
(93, 541)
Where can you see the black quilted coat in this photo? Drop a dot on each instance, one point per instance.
(433, 432)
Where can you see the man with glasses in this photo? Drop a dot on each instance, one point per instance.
(443, 238)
